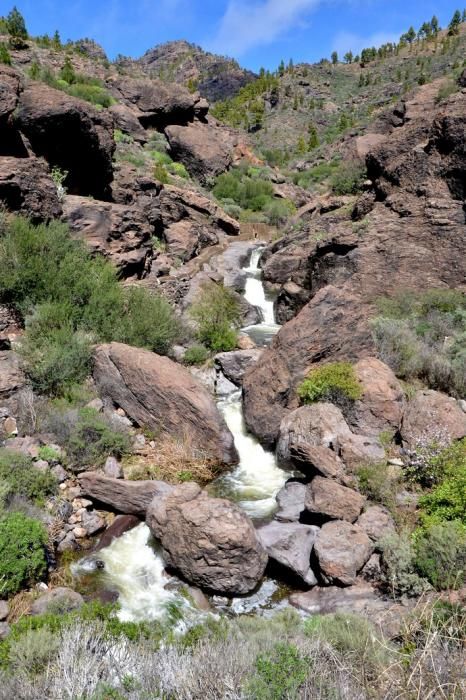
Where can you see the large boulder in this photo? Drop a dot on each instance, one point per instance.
(430, 413)
(323, 425)
(121, 525)
(290, 545)
(380, 407)
(120, 233)
(210, 541)
(234, 364)
(376, 522)
(27, 188)
(128, 497)
(313, 460)
(71, 134)
(327, 499)
(204, 150)
(11, 85)
(159, 394)
(342, 549)
(126, 119)
(158, 103)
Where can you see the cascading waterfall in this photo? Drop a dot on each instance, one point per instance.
(133, 566)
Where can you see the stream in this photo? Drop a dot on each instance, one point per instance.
(133, 564)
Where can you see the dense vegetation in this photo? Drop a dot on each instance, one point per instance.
(71, 300)
(217, 313)
(423, 335)
(22, 548)
(334, 382)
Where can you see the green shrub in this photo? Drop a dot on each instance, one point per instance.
(349, 178)
(440, 554)
(331, 382)
(279, 673)
(73, 300)
(22, 552)
(4, 54)
(279, 211)
(88, 437)
(49, 454)
(25, 480)
(375, 482)
(399, 572)
(94, 94)
(217, 313)
(32, 651)
(161, 158)
(410, 333)
(253, 193)
(196, 355)
(161, 174)
(179, 170)
(447, 500)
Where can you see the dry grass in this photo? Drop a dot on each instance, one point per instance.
(20, 605)
(172, 459)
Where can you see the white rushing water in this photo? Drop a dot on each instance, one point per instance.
(133, 565)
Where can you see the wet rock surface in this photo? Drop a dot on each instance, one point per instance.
(290, 544)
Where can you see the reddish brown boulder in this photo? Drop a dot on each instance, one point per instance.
(381, 405)
(210, 541)
(120, 233)
(316, 460)
(121, 524)
(159, 103)
(204, 150)
(342, 549)
(128, 497)
(11, 85)
(326, 498)
(430, 413)
(163, 396)
(27, 188)
(71, 134)
(376, 522)
(126, 119)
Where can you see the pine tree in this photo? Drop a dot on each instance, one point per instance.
(56, 41)
(348, 57)
(301, 145)
(334, 58)
(281, 68)
(454, 26)
(435, 25)
(16, 24)
(410, 35)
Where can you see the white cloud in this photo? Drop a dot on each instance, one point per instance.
(247, 24)
(347, 41)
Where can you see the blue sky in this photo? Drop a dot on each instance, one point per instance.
(256, 32)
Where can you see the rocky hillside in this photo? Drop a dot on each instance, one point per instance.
(215, 77)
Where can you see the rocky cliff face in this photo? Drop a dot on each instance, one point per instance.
(406, 232)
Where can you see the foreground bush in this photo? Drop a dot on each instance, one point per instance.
(23, 479)
(70, 300)
(22, 552)
(88, 437)
(332, 382)
(440, 555)
(410, 333)
(217, 313)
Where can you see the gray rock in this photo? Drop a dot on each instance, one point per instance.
(290, 501)
(96, 404)
(59, 600)
(4, 630)
(4, 610)
(376, 522)
(128, 497)
(327, 498)
(68, 543)
(92, 522)
(342, 549)
(290, 544)
(59, 473)
(234, 364)
(113, 468)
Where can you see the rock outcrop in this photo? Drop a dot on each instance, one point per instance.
(120, 233)
(27, 188)
(205, 151)
(127, 497)
(432, 413)
(210, 541)
(158, 104)
(71, 134)
(328, 499)
(159, 394)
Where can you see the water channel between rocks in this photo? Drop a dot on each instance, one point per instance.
(133, 565)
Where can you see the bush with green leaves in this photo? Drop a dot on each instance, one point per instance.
(399, 573)
(279, 673)
(72, 299)
(196, 355)
(217, 312)
(335, 381)
(23, 479)
(348, 178)
(447, 500)
(22, 552)
(376, 481)
(410, 332)
(4, 54)
(88, 437)
(440, 554)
